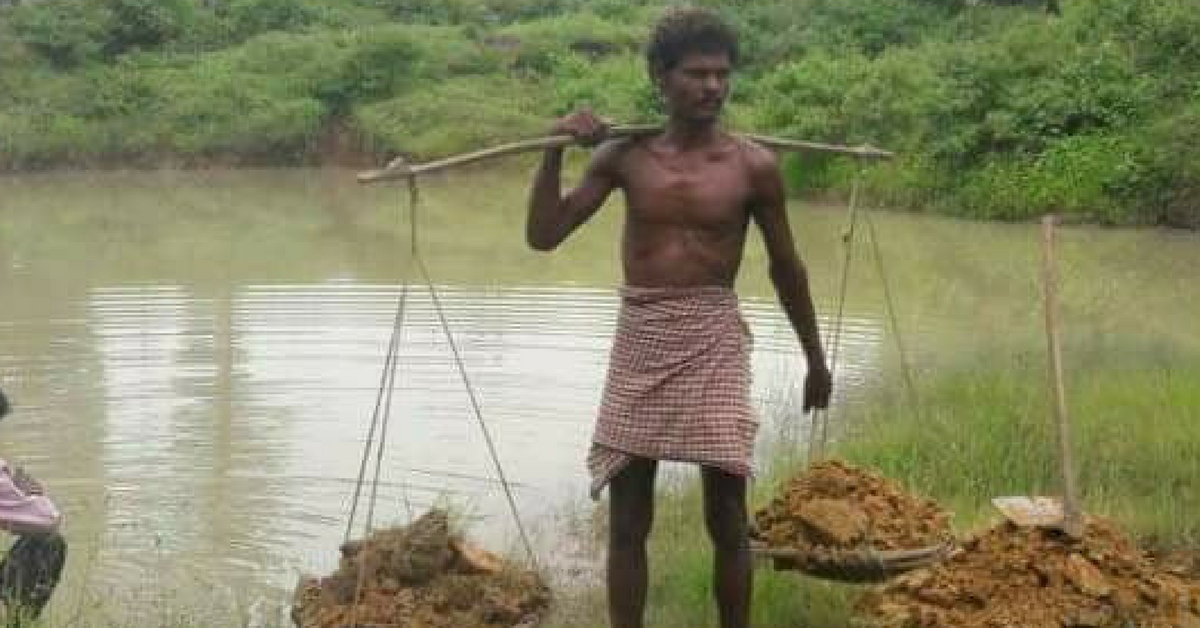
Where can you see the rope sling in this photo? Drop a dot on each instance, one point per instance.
(381, 415)
(819, 418)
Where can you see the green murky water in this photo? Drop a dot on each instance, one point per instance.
(195, 356)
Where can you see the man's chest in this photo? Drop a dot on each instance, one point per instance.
(697, 192)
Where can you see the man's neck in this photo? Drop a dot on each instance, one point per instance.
(685, 134)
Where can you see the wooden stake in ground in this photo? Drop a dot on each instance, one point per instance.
(1072, 516)
(1064, 514)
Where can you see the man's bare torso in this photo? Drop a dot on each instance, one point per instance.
(687, 210)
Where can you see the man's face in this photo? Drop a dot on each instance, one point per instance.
(696, 88)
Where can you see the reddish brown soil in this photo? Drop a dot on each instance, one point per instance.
(1039, 578)
(834, 504)
(419, 576)
(1182, 562)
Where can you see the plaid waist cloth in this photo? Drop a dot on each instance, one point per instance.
(678, 383)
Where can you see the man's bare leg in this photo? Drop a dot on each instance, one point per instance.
(631, 513)
(726, 518)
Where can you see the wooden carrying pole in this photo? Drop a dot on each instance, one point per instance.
(399, 168)
(1072, 516)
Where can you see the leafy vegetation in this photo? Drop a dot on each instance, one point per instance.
(1001, 109)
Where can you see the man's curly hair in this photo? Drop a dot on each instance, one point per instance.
(687, 30)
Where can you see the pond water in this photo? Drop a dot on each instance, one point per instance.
(194, 357)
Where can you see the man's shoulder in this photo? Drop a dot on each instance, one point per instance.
(612, 153)
(759, 158)
(618, 147)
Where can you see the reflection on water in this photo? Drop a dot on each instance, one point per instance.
(250, 412)
(195, 357)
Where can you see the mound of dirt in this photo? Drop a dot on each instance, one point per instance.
(419, 576)
(1038, 578)
(837, 505)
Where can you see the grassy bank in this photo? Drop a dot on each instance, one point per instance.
(977, 434)
(980, 435)
(999, 110)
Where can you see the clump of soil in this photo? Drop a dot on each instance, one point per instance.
(1040, 578)
(837, 505)
(419, 576)
(1182, 562)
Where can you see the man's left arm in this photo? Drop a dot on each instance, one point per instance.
(769, 210)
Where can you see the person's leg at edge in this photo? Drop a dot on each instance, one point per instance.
(631, 514)
(728, 527)
(29, 574)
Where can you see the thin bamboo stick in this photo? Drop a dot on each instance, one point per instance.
(399, 168)
(780, 143)
(1073, 517)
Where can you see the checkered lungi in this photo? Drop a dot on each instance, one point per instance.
(678, 383)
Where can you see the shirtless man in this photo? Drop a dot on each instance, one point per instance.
(677, 386)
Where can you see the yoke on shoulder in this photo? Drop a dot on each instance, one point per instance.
(608, 157)
(758, 156)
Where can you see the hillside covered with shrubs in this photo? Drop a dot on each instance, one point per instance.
(999, 110)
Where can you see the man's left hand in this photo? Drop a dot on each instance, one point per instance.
(817, 386)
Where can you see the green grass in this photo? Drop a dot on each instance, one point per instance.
(981, 434)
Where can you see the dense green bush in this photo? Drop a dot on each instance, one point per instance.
(540, 43)
(463, 12)
(1173, 182)
(1091, 177)
(618, 87)
(146, 24)
(998, 109)
(375, 65)
(484, 109)
(66, 33)
(246, 18)
(1025, 116)
(870, 27)
(1158, 36)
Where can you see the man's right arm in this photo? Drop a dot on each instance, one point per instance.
(553, 216)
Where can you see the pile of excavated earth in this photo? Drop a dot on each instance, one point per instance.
(419, 576)
(837, 505)
(1005, 577)
(424, 576)
(1041, 578)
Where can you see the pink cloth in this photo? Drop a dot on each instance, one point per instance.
(678, 383)
(21, 513)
